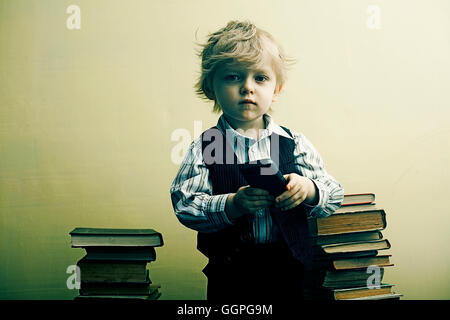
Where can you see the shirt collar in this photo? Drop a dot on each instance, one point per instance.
(271, 127)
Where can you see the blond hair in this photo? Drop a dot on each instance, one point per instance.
(240, 42)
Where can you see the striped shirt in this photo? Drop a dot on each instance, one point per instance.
(197, 208)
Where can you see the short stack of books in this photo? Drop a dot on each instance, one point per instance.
(116, 264)
(349, 259)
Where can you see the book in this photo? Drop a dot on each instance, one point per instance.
(358, 198)
(345, 252)
(347, 237)
(339, 279)
(96, 288)
(353, 247)
(348, 222)
(264, 174)
(354, 263)
(394, 296)
(154, 296)
(320, 258)
(116, 263)
(121, 253)
(85, 237)
(113, 271)
(357, 208)
(349, 293)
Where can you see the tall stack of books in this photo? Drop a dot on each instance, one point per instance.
(349, 257)
(116, 264)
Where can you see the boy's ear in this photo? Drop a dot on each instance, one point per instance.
(276, 93)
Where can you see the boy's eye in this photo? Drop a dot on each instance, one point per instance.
(260, 78)
(232, 77)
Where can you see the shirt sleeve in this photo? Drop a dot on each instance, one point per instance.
(191, 194)
(309, 162)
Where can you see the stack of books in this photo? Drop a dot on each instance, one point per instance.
(349, 257)
(116, 264)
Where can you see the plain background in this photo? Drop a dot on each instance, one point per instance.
(93, 123)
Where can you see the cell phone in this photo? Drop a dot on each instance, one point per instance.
(264, 174)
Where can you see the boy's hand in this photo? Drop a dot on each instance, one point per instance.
(248, 200)
(298, 189)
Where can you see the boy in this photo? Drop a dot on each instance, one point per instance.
(257, 245)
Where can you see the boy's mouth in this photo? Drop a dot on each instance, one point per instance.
(246, 101)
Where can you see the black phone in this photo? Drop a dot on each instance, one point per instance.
(264, 174)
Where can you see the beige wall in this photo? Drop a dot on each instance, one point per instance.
(86, 119)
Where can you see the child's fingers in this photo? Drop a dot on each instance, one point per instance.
(262, 204)
(261, 197)
(293, 204)
(264, 198)
(256, 205)
(244, 188)
(290, 182)
(288, 194)
(256, 192)
(293, 201)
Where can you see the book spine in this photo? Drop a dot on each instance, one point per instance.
(355, 203)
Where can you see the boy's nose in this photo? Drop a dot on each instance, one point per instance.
(247, 86)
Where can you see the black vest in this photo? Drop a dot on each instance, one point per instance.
(226, 178)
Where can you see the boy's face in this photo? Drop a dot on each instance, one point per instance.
(245, 93)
